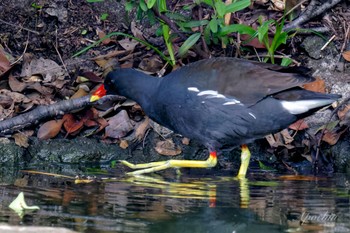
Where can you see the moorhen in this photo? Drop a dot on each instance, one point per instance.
(219, 102)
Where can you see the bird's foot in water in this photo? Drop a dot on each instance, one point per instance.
(162, 165)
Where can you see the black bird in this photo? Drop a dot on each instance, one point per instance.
(219, 102)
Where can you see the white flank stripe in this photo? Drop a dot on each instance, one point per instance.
(195, 89)
(301, 106)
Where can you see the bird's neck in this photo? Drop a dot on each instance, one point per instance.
(138, 86)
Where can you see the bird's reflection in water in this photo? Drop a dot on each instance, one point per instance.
(195, 188)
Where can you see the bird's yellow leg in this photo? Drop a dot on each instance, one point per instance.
(161, 165)
(245, 158)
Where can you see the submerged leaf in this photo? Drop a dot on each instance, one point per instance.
(19, 205)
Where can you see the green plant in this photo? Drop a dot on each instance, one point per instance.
(213, 27)
(125, 35)
(212, 31)
(262, 34)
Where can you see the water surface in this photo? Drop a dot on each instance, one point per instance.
(208, 201)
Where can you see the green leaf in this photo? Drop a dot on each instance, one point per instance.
(92, 1)
(104, 16)
(143, 5)
(125, 35)
(237, 6)
(213, 24)
(220, 8)
(263, 29)
(195, 23)
(240, 28)
(264, 167)
(162, 6)
(150, 3)
(129, 6)
(176, 16)
(166, 36)
(208, 2)
(286, 61)
(207, 35)
(188, 44)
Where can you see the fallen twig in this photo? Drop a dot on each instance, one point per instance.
(59, 108)
(314, 9)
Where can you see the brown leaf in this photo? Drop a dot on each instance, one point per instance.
(299, 125)
(16, 97)
(91, 76)
(128, 44)
(287, 138)
(49, 129)
(79, 93)
(16, 85)
(151, 64)
(318, 85)
(103, 124)
(49, 69)
(5, 101)
(346, 55)
(247, 40)
(90, 123)
(124, 144)
(102, 34)
(119, 125)
(332, 137)
(135, 31)
(71, 125)
(343, 112)
(4, 62)
(168, 148)
(41, 89)
(21, 140)
(141, 129)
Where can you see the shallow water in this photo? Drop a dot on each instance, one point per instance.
(193, 202)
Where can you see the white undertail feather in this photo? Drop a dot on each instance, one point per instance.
(302, 106)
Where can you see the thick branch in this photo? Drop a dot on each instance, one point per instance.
(314, 9)
(33, 117)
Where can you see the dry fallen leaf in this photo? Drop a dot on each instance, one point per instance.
(287, 138)
(79, 93)
(299, 125)
(16, 85)
(124, 144)
(168, 148)
(49, 69)
(91, 76)
(21, 140)
(49, 129)
(102, 34)
(4, 62)
(318, 86)
(332, 136)
(141, 129)
(346, 55)
(342, 113)
(119, 125)
(71, 125)
(5, 101)
(128, 44)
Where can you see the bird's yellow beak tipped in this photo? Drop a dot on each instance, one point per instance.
(98, 94)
